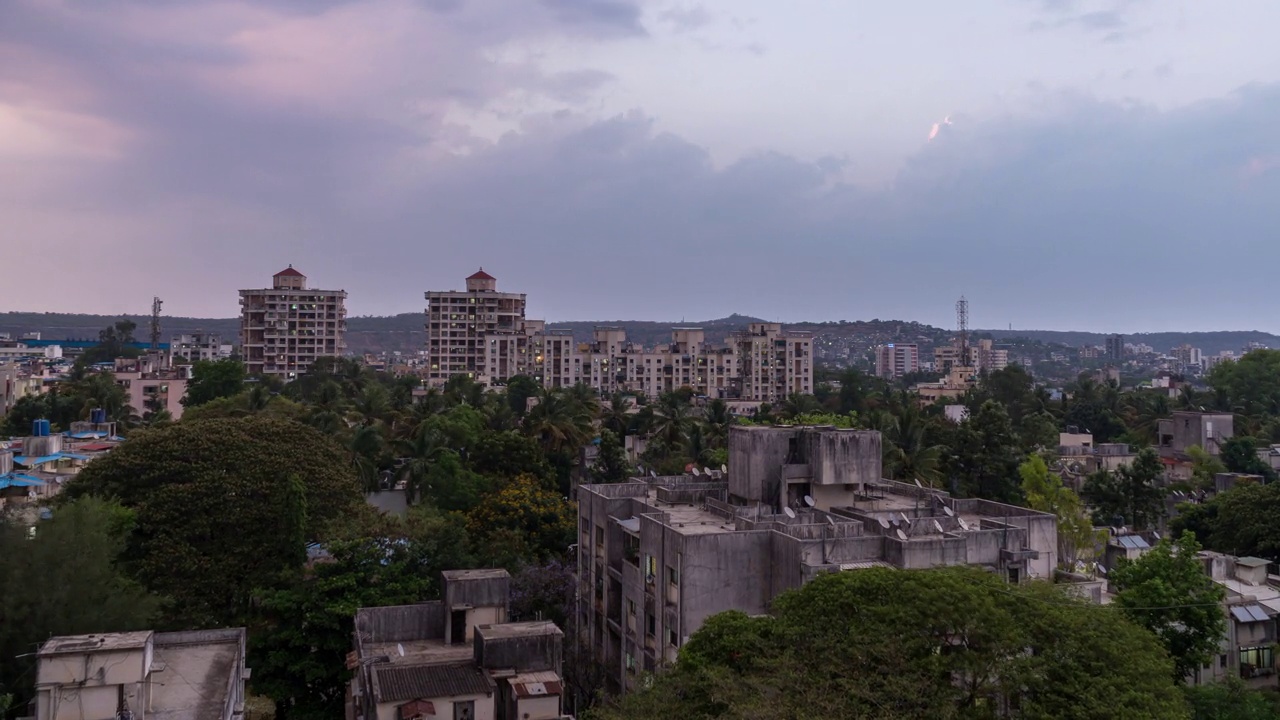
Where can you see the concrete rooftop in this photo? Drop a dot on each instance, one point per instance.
(190, 680)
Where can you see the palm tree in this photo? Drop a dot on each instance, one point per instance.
(259, 398)
(417, 454)
(717, 419)
(907, 452)
(373, 404)
(363, 448)
(616, 417)
(557, 422)
(796, 405)
(673, 417)
(585, 399)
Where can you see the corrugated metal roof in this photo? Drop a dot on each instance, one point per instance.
(32, 461)
(412, 682)
(19, 480)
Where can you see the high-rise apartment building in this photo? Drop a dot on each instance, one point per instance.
(478, 332)
(773, 363)
(484, 334)
(895, 360)
(285, 328)
(1115, 347)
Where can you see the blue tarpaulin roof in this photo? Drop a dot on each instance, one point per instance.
(83, 435)
(32, 462)
(19, 480)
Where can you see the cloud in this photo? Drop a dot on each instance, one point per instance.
(195, 152)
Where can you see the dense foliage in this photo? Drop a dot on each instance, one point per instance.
(945, 643)
(222, 506)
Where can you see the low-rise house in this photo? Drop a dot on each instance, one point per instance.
(456, 658)
(145, 675)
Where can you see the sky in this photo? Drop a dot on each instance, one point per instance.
(1107, 165)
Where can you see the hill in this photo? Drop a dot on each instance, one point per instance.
(1210, 343)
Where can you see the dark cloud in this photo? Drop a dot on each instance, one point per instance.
(1088, 214)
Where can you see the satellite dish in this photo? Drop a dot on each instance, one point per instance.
(937, 526)
(724, 468)
(808, 500)
(918, 484)
(789, 512)
(653, 474)
(884, 523)
(1155, 534)
(696, 471)
(1102, 570)
(963, 525)
(833, 521)
(901, 535)
(948, 511)
(706, 471)
(400, 649)
(905, 519)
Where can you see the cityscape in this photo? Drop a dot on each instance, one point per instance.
(633, 359)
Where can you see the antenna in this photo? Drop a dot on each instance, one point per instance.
(789, 512)
(706, 471)
(696, 471)
(963, 525)
(653, 474)
(1102, 570)
(808, 500)
(155, 323)
(905, 519)
(901, 535)
(937, 526)
(833, 521)
(918, 484)
(883, 523)
(400, 649)
(724, 468)
(962, 328)
(948, 511)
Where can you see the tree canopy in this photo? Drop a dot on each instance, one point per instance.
(211, 498)
(941, 643)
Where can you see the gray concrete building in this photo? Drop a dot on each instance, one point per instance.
(1209, 430)
(193, 675)
(658, 556)
(456, 658)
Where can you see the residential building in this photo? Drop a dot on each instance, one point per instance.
(895, 360)
(1209, 430)
(285, 328)
(658, 556)
(463, 325)
(1188, 357)
(194, 675)
(1115, 348)
(199, 346)
(982, 356)
(773, 363)
(456, 658)
(16, 382)
(152, 384)
(959, 380)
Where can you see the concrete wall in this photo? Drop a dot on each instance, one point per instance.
(841, 457)
(756, 456)
(538, 708)
(921, 553)
(722, 571)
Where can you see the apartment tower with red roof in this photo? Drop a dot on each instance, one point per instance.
(478, 332)
(286, 327)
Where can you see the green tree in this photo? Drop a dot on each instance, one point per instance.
(985, 454)
(1131, 493)
(1230, 700)
(210, 498)
(1167, 591)
(506, 454)
(1203, 467)
(213, 379)
(942, 643)
(522, 520)
(66, 580)
(1045, 492)
(1242, 521)
(113, 342)
(306, 622)
(1251, 383)
(519, 389)
(611, 464)
(1240, 455)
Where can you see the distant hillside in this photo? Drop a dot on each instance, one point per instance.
(1209, 342)
(834, 341)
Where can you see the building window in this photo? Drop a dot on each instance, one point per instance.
(650, 625)
(1255, 661)
(673, 576)
(671, 638)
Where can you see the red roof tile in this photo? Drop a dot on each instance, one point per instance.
(482, 275)
(290, 272)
